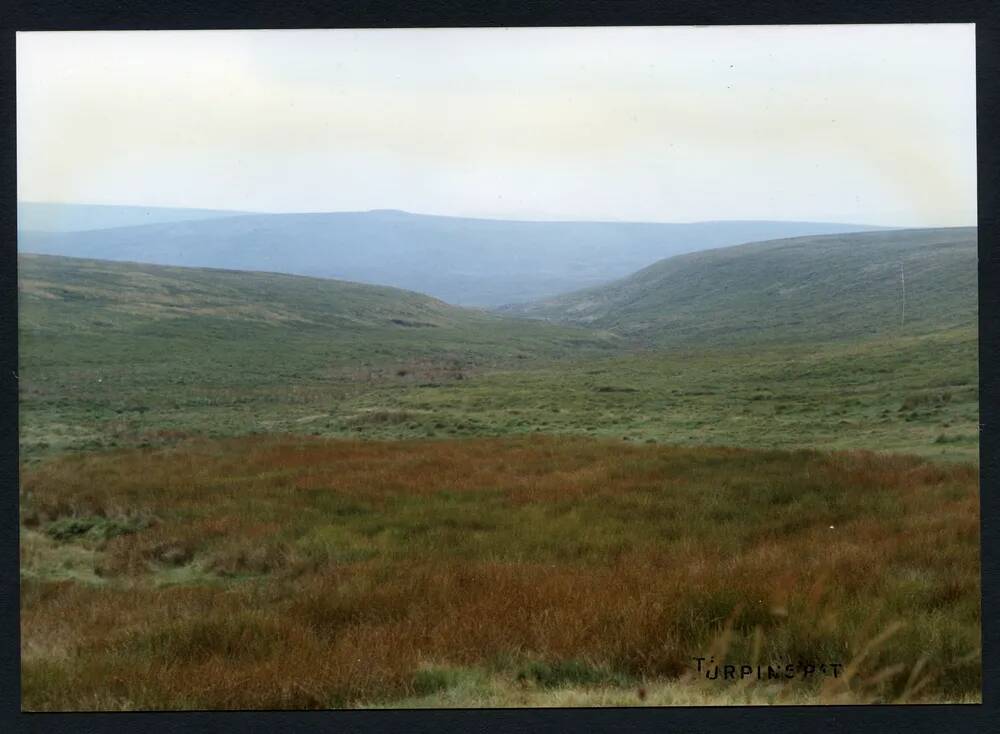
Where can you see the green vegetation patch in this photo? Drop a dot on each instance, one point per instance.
(570, 673)
(94, 528)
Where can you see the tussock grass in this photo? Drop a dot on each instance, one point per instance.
(292, 572)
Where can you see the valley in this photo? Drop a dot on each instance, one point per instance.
(265, 489)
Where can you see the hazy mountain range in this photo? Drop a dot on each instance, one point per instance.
(50, 217)
(473, 262)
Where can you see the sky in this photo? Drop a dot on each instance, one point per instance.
(865, 124)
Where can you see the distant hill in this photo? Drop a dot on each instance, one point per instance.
(53, 217)
(476, 262)
(804, 288)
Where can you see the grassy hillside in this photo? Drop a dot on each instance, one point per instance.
(119, 355)
(285, 572)
(464, 261)
(110, 303)
(803, 289)
(105, 344)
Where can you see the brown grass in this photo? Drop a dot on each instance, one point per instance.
(285, 572)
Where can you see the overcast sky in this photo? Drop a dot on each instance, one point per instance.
(866, 124)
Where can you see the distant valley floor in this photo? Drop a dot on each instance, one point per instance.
(915, 395)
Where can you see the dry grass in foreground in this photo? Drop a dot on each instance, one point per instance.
(286, 572)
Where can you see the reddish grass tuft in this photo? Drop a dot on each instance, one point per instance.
(286, 572)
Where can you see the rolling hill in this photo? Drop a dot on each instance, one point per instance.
(103, 344)
(116, 354)
(788, 290)
(473, 262)
(103, 303)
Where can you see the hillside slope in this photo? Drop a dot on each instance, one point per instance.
(102, 303)
(475, 262)
(807, 288)
(117, 354)
(107, 348)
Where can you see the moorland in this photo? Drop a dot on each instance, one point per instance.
(252, 489)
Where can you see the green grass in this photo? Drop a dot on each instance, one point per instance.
(918, 395)
(116, 355)
(914, 394)
(799, 290)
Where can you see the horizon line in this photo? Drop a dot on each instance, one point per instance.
(561, 220)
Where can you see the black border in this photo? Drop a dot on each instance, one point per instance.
(222, 14)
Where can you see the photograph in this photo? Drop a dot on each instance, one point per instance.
(498, 367)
